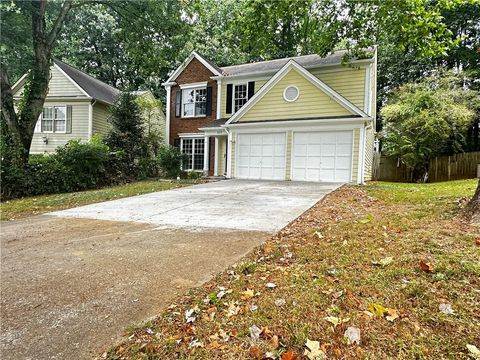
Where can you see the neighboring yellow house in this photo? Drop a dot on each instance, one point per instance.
(76, 107)
(304, 118)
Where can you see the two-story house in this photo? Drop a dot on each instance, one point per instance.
(305, 118)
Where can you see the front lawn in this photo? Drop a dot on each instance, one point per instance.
(34, 205)
(392, 263)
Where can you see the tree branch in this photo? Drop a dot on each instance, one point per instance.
(57, 26)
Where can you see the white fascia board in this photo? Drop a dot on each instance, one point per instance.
(19, 82)
(194, 85)
(191, 135)
(307, 75)
(187, 61)
(71, 80)
(168, 88)
(356, 121)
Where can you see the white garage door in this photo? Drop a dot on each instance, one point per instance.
(261, 156)
(322, 156)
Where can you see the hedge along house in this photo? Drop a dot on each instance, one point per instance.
(76, 107)
(305, 118)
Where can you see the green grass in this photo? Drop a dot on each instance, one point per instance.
(405, 193)
(35, 205)
(333, 275)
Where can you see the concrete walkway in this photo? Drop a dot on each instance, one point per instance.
(72, 281)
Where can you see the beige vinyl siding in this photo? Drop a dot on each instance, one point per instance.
(258, 86)
(348, 82)
(311, 103)
(222, 143)
(355, 150)
(101, 126)
(59, 86)
(289, 145)
(369, 143)
(79, 129)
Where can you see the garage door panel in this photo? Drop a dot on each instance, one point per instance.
(343, 162)
(322, 156)
(263, 157)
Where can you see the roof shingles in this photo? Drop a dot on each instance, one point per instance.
(95, 88)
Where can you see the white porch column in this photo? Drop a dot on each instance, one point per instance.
(215, 164)
(168, 88)
(206, 155)
(219, 99)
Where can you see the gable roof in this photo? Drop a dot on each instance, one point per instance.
(94, 88)
(292, 64)
(194, 55)
(306, 61)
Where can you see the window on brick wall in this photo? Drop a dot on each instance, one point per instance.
(194, 149)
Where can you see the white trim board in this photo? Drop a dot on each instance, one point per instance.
(187, 61)
(308, 76)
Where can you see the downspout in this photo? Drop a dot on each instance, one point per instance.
(90, 119)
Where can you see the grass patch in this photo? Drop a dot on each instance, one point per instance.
(34, 205)
(328, 264)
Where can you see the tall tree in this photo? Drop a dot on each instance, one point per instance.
(22, 125)
(144, 43)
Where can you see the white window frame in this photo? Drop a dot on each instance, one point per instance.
(285, 93)
(194, 140)
(195, 88)
(53, 120)
(233, 95)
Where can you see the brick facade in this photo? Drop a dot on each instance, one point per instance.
(194, 72)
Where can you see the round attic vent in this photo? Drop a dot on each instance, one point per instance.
(291, 93)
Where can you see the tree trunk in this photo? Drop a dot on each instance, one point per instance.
(472, 210)
(22, 125)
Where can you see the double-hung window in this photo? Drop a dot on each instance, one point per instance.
(194, 102)
(54, 119)
(194, 149)
(240, 96)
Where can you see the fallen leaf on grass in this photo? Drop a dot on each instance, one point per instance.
(474, 351)
(255, 352)
(335, 320)
(233, 309)
(274, 342)
(426, 266)
(271, 285)
(319, 235)
(477, 242)
(255, 332)
(313, 351)
(383, 262)
(195, 344)
(446, 309)
(378, 310)
(289, 355)
(352, 334)
(248, 294)
(280, 302)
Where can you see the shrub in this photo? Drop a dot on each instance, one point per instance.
(73, 167)
(148, 168)
(170, 161)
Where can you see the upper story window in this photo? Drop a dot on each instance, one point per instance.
(240, 96)
(194, 102)
(53, 119)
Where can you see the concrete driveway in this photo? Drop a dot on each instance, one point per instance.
(73, 280)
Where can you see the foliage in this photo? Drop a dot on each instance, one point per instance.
(73, 167)
(426, 119)
(127, 133)
(170, 160)
(127, 44)
(153, 122)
